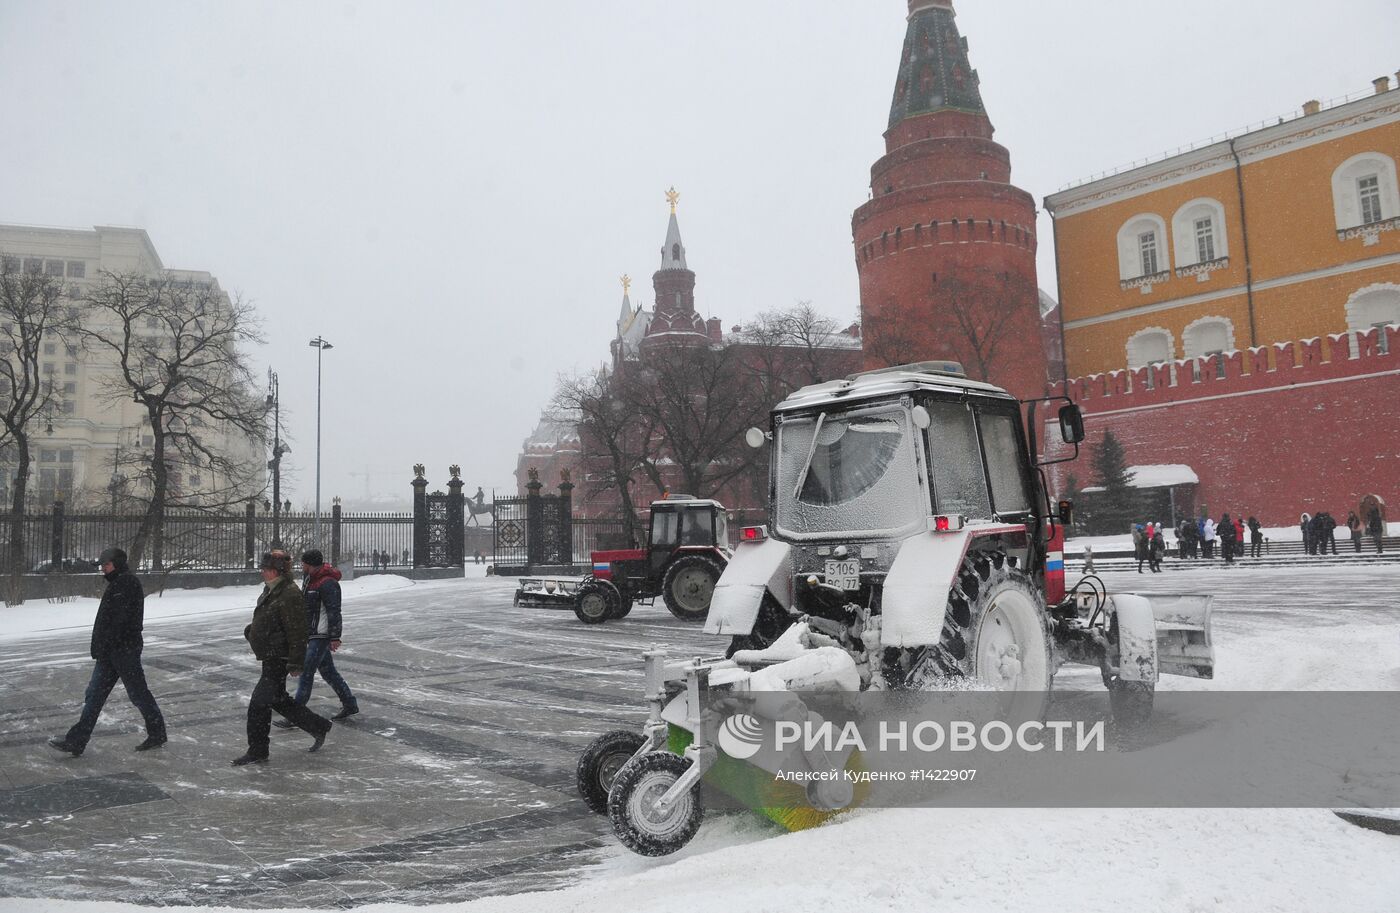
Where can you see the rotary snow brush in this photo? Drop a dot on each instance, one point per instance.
(784, 802)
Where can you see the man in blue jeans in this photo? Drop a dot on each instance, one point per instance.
(321, 590)
(116, 646)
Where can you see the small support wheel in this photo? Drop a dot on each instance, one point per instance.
(640, 823)
(600, 762)
(596, 601)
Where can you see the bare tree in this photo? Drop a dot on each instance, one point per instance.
(701, 413)
(616, 443)
(890, 341)
(31, 314)
(979, 327)
(178, 347)
(815, 336)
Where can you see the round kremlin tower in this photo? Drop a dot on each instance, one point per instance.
(946, 245)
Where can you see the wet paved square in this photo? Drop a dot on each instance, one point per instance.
(455, 781)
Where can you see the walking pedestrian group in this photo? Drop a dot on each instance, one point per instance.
(294, 631)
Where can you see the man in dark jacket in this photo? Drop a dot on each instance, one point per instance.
(277, 635)
(116, 646)
(321, 591)
(1227, 538)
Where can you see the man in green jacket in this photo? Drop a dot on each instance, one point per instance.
(277, 635)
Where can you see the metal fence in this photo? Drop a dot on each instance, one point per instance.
(196, 540)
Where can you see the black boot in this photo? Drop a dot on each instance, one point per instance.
(67, 746)
(319, 738)
(249, 758)
(152, 741)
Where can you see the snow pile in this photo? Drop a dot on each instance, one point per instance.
(38, 616)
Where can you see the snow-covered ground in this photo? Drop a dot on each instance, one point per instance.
(1323, 628)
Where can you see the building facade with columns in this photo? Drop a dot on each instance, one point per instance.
(87, 447)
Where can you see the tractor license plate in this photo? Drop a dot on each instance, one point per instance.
(844, 574)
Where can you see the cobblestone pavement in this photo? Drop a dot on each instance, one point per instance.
(455, 780)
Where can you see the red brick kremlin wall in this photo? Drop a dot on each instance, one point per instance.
(1295, 427)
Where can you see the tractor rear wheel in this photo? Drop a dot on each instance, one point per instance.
(600, 762)
(596, 601)
(995, 636)
(689, 584)
(643, 826)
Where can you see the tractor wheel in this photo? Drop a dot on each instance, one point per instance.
(600, 762)
(688, 585)
(595, 602)
(624, 605)
(995, 635)
(642, 827)
(770, 624)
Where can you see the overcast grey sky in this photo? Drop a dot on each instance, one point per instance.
(448, 191)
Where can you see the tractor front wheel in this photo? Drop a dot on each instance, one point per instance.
(600, 762)
(596, 601)
(639, 821)
(689, 584)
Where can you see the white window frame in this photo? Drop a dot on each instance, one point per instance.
(1130, 246)
(1197, 350)
(1361, 313)
(1346, 189)
(1186, 235)
(1368, 198)
(1141, 349)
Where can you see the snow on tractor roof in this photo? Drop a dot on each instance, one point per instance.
(944, 376)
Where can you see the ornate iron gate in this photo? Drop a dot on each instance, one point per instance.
(556, 544)
(510, 540)
(438, 534)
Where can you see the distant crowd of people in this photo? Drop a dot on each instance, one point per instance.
(382, 559)
(1226, 538)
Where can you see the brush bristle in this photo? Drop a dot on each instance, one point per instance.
(780, 801)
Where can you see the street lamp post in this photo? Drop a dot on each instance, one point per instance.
(274, 399)
(320, 345)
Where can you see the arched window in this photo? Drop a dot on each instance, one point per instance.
(1198, 233)
(1150, 346)
(1206, 337)
(1142, 247)
(1364, 191)
(676, 252)
(1374, 306)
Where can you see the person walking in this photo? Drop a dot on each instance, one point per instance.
(1227, 538)
(116, 649)
(1375, 527)
(1305, 524)
(1256, 537)
(1326, 533)
(1156, 549)
(1139, 545)
(277, 635)
(321, 593)
(1354, 527)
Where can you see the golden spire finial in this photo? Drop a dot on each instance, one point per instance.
(626, 283)
(672, 197)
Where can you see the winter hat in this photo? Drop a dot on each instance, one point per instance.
(313, 557)
(115, 555)
(276, 560)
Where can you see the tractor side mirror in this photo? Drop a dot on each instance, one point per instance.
(1071, 424)
(755, 437)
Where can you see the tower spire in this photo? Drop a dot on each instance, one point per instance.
(673, 251)
(934, 72)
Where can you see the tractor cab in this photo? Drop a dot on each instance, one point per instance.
(681, 521)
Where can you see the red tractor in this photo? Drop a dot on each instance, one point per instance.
(687, 552)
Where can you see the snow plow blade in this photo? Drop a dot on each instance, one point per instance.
(552, 592)
(1183, 634)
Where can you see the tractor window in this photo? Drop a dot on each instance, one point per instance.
(696, 528)
(955, 458)
(721, 529)
(854, 472)
(1005, 462)
(664, 527)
